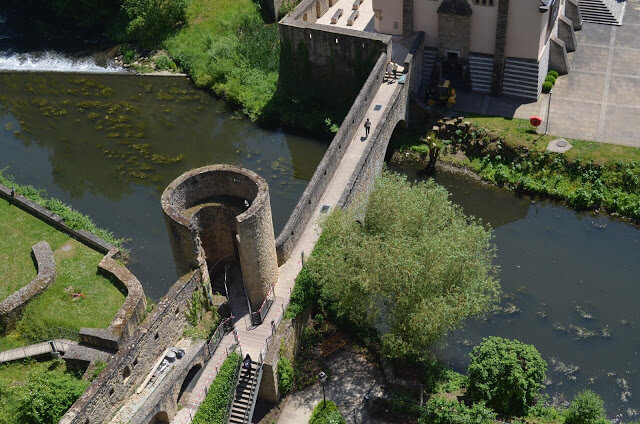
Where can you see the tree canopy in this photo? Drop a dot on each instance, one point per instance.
(414, 269)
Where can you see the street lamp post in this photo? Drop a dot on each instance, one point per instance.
(546, 131)
(323, 377)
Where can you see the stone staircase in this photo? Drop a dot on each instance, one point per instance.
(244, 400)
(605, 12)
(481, 69)
(428, 63)
(521, 79)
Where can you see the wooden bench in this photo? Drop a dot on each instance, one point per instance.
(334, 343)
(336, 16)
(356, 4)
(352, 18)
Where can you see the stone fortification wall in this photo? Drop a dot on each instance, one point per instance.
(324, 172)
(56, 221)
(130, 314)
(11, 308)
(165, 397)
(286, 342)
(326, 63)
(370, 163)
(133, 362)
(311, 10)
(208, 207)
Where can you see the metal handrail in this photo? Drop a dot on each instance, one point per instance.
(217, 336)
(258, 374)
(258, 316)
(232, 393)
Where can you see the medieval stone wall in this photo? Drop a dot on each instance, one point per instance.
(226, 210)
(454, 33)
(11, 308)
(131, 365)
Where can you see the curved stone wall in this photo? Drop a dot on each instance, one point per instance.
(130, 314)
(11, 308)
(208, 207)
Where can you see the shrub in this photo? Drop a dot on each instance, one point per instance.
(164, 63)
(551, 79)
(439, 410)
(151, 21)
(285, 375)
(506, 374)
(47, 398)
(214, 406)
(586, 408)
(326, 415)
(305, 293)
(553, 73)
(547, 86)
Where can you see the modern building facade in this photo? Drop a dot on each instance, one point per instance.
(504, 47)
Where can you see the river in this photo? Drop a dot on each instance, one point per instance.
(570, 283)
(109, 145)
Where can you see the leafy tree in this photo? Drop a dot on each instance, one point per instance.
(415, 269)
(151, 21)
(440, 410)
(48, 397)
(506, 374)
(586, 408)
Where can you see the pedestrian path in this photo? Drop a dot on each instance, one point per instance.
(38, 349)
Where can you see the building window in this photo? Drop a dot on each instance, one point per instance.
(483, 2)
(395, 25)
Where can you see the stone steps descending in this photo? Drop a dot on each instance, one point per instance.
(428, 63)
(246, 393)
(604, 12)
(481, 69)
(521, 79)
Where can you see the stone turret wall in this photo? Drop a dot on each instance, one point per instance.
(210, 204)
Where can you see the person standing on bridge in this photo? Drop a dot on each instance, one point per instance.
(367, 128)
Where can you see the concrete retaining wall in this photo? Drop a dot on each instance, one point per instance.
(128, 316)
(11, 308)
(131, 365)
(324, 172)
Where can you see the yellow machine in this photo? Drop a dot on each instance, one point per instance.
(444, 94)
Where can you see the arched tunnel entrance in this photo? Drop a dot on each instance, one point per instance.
(160, 418)
(401, 136)
(189, 381)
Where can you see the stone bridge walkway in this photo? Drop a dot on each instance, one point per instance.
(254, 340)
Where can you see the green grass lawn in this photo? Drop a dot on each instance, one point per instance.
(227, 48)
(17, 378)
(76, 265)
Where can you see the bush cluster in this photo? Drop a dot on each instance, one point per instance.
(549, 81)
(285, 376)
(328, 414)
(439, 410)
(213, 408)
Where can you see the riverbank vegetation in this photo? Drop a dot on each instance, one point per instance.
(33, 392)
(508, 153)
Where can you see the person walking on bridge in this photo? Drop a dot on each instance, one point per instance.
(367, 127)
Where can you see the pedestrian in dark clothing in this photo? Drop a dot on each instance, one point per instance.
(367, 128)
(246, 364)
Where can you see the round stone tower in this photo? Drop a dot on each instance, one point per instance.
(223, 213)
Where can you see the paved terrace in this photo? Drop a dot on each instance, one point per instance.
(253, 340)
(364, 22)
(600, 97)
